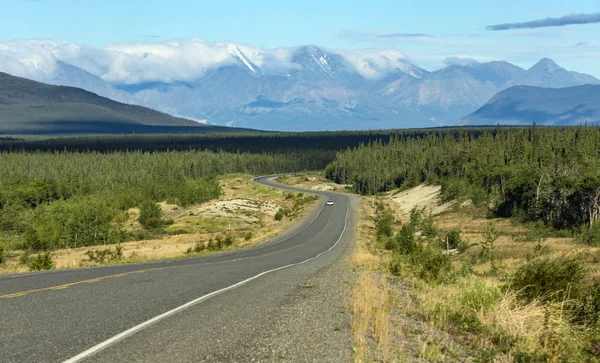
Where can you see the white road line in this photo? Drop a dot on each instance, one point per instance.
(105, 344)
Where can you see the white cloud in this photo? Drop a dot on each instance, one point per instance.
(376, 63)
(175, 60)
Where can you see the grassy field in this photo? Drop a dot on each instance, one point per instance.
(245, 213)
(472, 310)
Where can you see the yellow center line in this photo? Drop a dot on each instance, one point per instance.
(123, 274)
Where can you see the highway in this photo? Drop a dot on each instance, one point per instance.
(222, 307)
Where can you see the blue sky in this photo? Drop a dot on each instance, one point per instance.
(427, 31)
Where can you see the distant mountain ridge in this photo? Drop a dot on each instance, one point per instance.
(324, 90)
(523, 105)
(30, 107)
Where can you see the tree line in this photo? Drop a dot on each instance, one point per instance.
(545, 174)
(64, 199)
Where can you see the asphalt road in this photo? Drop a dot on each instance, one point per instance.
(233, 306)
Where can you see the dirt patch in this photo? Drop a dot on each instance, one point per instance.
(421, 197)
(247, 210)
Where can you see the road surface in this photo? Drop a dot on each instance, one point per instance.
(273, 302)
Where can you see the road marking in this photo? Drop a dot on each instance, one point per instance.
(98, 279)
(95, 349)
(88, 281)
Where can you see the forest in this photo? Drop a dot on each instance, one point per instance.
(69, 192)
(51, 200)
(535, 174)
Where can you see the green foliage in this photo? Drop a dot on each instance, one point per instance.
(248, 235)
(454, 240)
(150, 215)
(424, 261)
(383, 224)
(549, 279)
(105, 255)
(490, 235)
(589, 235)
(428, 228)
(198, 248)
(528, 173)
(77, 222)
(280, 214)
(40, 262)
(2, 252)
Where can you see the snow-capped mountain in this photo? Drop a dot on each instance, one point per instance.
(302, 88)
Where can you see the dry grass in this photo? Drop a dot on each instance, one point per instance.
(245, 207)
(370, 306)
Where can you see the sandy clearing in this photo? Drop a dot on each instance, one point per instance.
(421, 197)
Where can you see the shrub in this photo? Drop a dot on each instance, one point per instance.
(454, 240)
(150, 215)
(282, 213)
(105, 255)
(248, 235)
(587, 310)
(428, 228)
(480, 297)
(589, 235)
(1, 252)
(383, 223)
(416, 216)
(431, 265)
(404, 243)
(550, 279)
(198, 247)
(41, 262)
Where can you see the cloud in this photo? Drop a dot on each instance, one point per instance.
(353, 34)
(377, 62)
(460, 61)
(550, 22)
(176, 60)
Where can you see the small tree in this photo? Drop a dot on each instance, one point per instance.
(150, 215)
(490, 235)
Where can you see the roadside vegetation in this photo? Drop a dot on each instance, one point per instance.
(51, 202)
(501, 265)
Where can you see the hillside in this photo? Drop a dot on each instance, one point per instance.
(523, 105)
(29, 107)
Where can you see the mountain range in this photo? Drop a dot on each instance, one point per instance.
(30, 107)
(324, 90)
(520, 105)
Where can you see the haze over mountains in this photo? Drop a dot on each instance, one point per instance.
(521, 105)
(303, 88)
(29, 107)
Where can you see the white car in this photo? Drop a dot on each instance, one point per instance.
(330, 202)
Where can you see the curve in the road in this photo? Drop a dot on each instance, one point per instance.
(144, 291)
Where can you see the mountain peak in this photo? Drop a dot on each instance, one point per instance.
(235, 51)
(546, 64)
(314, 58)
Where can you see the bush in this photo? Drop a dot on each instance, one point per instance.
(589, 235)
(150, 215)
(428, 228)
(431, 265)
(383, 223)
(198, 247)
(248, 235)
(41, 262)
(587, 310)
(1, 252)
(549, 279)
(282, 213)
(404, 243)
(454, 240)
(106, 255)
(480, 297)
